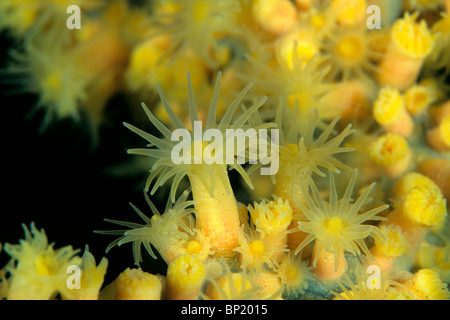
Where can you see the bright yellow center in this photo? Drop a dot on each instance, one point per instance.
(145, 57)
(53, 82)
(349, 48)
(193, 247)
(292, 274)
(256, 247)
(186, 272)
(388, 149)
(318, 21)
(334, 225)
(42, 266)
(199, 11)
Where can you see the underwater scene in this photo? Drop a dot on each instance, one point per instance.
(225, 149)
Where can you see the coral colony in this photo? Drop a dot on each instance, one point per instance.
(334, 114)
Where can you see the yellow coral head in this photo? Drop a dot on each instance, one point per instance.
(395, 243)
(135, 284)
(337, 225)
(271, 217)
(388, 106)
(418, 98)
(409, 181)
(39, 271)
(427, 284)
(388, 149)
(185, 277)
(425, 205)
(412, 38)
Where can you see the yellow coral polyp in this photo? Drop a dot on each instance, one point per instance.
(412, 38)
(216, 207)
(193, 247)
(336, 225)
(92, 277)
(409, 181)
(39, 271)
(256, 248)
(147, 68)
(185, 277)
(317, 69)
(197, 245)
(364, 286)
(395, 243)
(294, 274)
(418, 98)
(352, 54)
(425, 205)
(145, 56)
(135, 284)
(272, 216)
(349, 48)
(427, 285)
(258, 251)
(52, 82)
(166, 232)
(388, 149)
(389, 106)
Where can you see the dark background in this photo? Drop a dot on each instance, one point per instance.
(61, 182)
